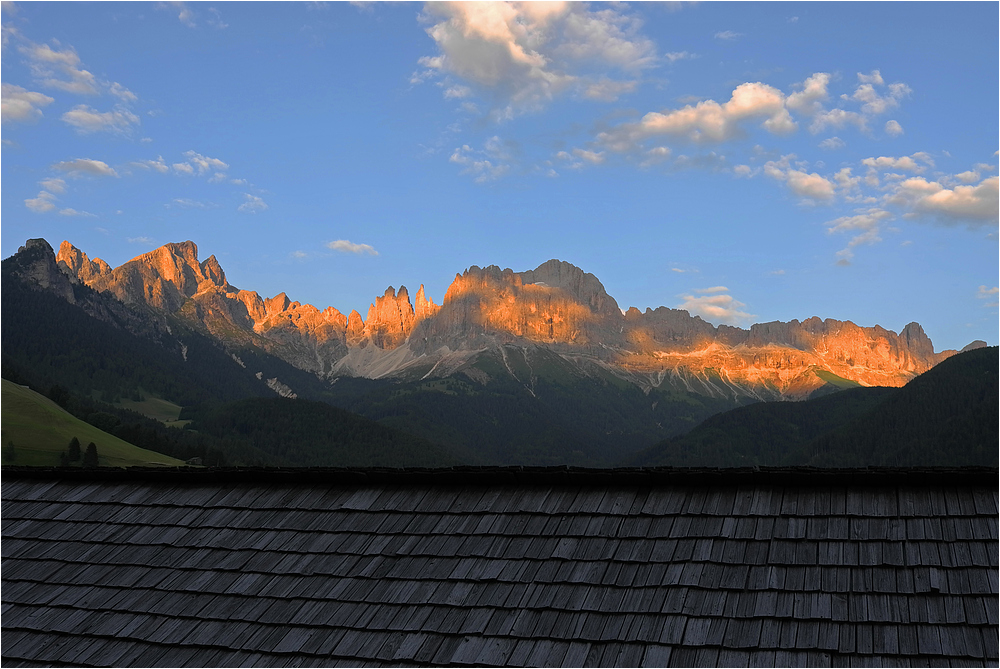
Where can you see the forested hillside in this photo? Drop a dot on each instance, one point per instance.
(946, 416)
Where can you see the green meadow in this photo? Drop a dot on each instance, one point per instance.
(36, 431)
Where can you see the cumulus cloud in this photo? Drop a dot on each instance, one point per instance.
(594, 158)
(183, 168)
(122, 93)
(19, 104)
(252, 204)
(865, 225)
(74, 212)
(59, 69)
(184, 13)
(904, 163)
(528, 53)
(204, 163)
(832, 144)
(990, 295)
(810, 186)
(159, 165)
(345, 246)
(42, 203)
(893, 128)
(487, 164)
(708, 121)
(809, 100)
(53, 185)
(974, 205)
(85, 166)
(714, 305)
(608, 90)
(87, 120)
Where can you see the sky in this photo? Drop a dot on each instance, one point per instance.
(749, 162)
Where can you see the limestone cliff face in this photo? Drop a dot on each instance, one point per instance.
(556, 306)
(75, 262)
(490, 304)
(38, 267)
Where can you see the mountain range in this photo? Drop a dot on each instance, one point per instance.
(556, 306)
(533, 367)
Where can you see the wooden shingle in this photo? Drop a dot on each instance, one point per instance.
(748, 570)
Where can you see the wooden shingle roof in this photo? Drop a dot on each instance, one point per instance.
(507, 567)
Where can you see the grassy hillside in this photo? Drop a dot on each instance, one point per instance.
(35, 431)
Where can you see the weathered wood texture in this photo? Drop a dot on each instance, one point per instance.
(154, 573)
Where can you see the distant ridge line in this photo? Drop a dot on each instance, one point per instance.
(518, 476)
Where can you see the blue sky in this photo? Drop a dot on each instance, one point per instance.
(747, 162)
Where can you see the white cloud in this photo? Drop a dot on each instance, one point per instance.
(204, 163)
(18, 104)
(345, 246)
(674, 56)
(865, 223)
(42, 203)
(893, 128)
(811, 186)
(905, 163)
(159, 165)
(528, 53)
(973, 205)
(87, 120)
(488, 164)
(727, 35)
(59, 69)
(594, 158)
(185, 203)
(299, 254)
(122, 93)
(141, 240)
(968, 177)
(837, 118)
(990, 295)
(74, 212)
(53, 185)
(708, 121)
(252, 204)
(608, 90)
(832, 144)
(874, 78)
(216, 19)
(183, 168)
(715, 307)
(83, 166)
(184, 13)
(457, 91)
(654, 156)
(809, 100)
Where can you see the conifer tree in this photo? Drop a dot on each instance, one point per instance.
(90, 458)
(73, 454)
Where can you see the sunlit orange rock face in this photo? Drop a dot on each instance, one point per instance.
(556, 305)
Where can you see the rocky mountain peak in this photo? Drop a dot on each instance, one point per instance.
(76, 263)
(35, 263)
(583, 286)
(557, 306)
(390, 319)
